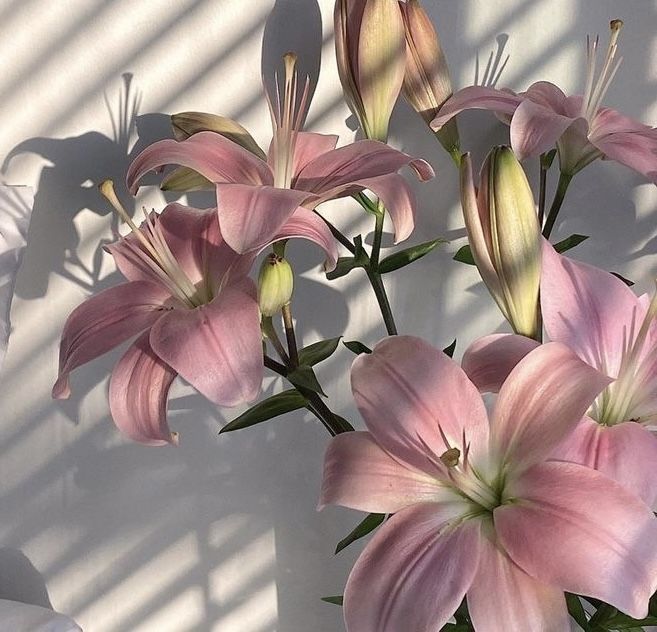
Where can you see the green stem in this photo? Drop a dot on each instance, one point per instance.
(542, 191)
(562, 187)
(374, 275)
(341, 237)
(291, 337)
(271, 334)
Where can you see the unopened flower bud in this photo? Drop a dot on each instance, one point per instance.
(505, 237)
(427, 84)
(275, 284)
(370, 50)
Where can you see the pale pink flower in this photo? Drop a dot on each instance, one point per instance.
(581, 127)
(256, 197)
(195, 312)
(478, 507)
(610, 328)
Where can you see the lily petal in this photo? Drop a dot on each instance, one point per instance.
(408, 392)
(476, 97)
(518, 602)
(310, 145)
(21, 617)
(626, 452)
(210, 154)
(226, 334)
(103, 322)
(588, 309)
(577, 529)
(357, 161)
(305, 224)
(541, 402)
(536, 129)
(359, 474)
(138, 394)
(249, 216)
(414, 573)
(549, 95)
(489, 360)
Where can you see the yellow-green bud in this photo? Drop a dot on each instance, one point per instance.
(275, 284)
(505, 237)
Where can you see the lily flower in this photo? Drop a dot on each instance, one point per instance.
(256, 197)
(194, 310)
(505, 236)
(23, 617)
(581, 127)
(370, 50)
(478, 505)
(15, 210)
(614, 331)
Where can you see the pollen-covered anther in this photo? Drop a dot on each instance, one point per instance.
(450, 458)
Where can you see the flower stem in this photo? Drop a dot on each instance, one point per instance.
(271, 334)
(541, 193)
(290, 335)
(339, 236)
(562, 187)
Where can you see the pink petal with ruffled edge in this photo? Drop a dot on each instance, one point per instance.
(138, 395)
(489, 360)
(217, 347)
(305, 224)
(626, 452)
(103, 322)
(577, 529)
(310, 145)
(518, 601)
(476, 97)
(208, 153)
(414, 573)
(540, 403)
(358, 161)
(405, 389)
(250, 216)
(360, 474)
(588, 309)
(536, 129)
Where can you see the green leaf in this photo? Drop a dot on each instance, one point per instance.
(449, 350)
(623, 622)
(346, 426)
(356, 347)
(273, 406)
(344, 266)
(371, 522)
(456, 627)
(304, 377)
(547, 158)
(577, 612)
(404, 257)
(337, 600)
(464, 255)
(570, 242)
(318, 351)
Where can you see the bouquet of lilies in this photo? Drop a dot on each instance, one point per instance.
(513, 491)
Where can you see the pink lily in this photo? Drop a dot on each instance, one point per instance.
(195, 312)
(15, 211)
(256, 197)
(581, 127)
(478, 508)
(615, 332)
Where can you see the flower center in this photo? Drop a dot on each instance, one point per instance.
(152, 250)
(616, 403)
(287, 119)
(596, 88)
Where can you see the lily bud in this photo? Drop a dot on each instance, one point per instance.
(370, 50)
(505, 236)
(427, 84)
(275, 284)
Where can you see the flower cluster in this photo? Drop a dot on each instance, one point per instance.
(519, 517)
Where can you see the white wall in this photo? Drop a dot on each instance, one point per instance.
(221, 533)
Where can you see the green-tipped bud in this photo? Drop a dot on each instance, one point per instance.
(370, 49)
(275, 284)
(505, 237)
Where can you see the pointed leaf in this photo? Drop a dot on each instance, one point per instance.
(273, 406)
(344, 266)
(356, 347)
(304, 377)
(623, 279)
(449, 350)
(337, 600)
(577, 612)
(570, 242)
(371, 522)
(408, 255)
(464, 255)
(318, 351)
